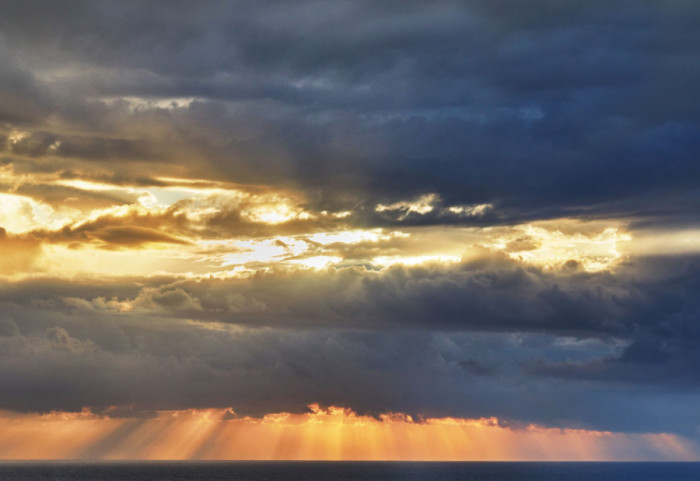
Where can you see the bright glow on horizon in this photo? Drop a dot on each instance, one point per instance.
(322, 434)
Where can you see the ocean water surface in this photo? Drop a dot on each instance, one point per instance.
(343, 471)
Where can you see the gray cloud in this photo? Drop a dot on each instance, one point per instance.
(142, 364)
(581, 108)
(453, 341)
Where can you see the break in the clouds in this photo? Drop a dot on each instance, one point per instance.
(417, 211)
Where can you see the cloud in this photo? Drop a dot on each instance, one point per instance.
(422, 205)
(22, 99)
(475, 367)
(18, 255)
(485, 122)
(460, 340)
(450, 206)
(165, 299)
(135, 236)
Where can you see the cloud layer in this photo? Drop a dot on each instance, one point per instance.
(472, 209)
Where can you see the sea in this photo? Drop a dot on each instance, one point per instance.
(344, 471)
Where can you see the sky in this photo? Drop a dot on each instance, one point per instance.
(350, 229)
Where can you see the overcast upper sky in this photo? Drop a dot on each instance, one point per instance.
(468, 209)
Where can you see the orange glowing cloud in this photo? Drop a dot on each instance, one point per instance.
(322, 434)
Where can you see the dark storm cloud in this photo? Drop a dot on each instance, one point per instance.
(22, 100)
(599, 348)
(488, 294)
(475, 367)
(544, 108)
(651, 303)
(153, 364)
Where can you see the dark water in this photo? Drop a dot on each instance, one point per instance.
(345, 471)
